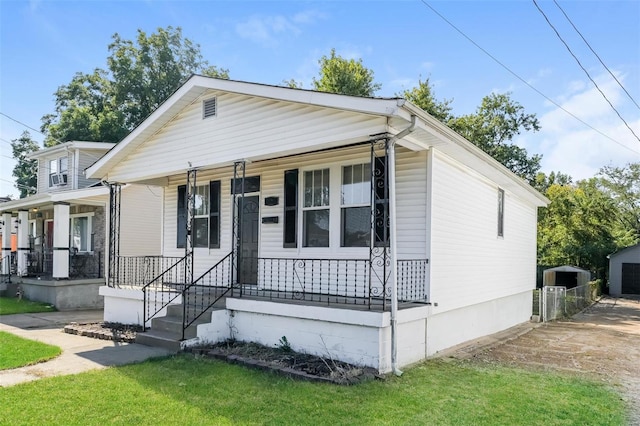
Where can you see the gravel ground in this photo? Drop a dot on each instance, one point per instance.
(602, 342)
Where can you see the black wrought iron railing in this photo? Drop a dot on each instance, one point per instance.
(337, 281)
(165, 288)
(412, 280)
(138, 271)
(81, 264)
(205, 291)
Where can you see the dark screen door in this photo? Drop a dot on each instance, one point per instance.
(249, 228)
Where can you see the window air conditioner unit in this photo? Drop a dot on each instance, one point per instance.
(55, 179)
(63, 179)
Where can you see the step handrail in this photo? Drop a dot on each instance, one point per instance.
(163, 290)
(191, 309)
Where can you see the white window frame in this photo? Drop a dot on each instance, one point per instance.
(56, 169)
(313, 207)
(87, 242)
(501, 203)
(364, 202)
(335, 209)
(202, 191)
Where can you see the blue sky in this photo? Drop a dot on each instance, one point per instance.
(43, 43)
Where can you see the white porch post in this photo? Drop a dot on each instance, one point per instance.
(60, 240)
(23, 241)
(6, 244)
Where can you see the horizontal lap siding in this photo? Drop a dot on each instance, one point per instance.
(141, 220)
(244, 127)
(411, 207)
(469, 262)
(86, 159)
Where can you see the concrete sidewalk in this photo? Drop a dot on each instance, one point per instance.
(79, 353)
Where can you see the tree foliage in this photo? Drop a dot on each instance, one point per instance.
(576, 228)
(25, 170)
(622, 184)
(107, 104)
(423, 96)
(345, 76)
(492, 128)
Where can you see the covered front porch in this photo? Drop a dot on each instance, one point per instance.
(60, 253)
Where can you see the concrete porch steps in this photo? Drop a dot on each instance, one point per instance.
(166, 332)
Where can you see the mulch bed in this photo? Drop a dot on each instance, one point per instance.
(280, 359)
(105, 331)
(283, 360)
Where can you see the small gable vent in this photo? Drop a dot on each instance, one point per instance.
(209, 108)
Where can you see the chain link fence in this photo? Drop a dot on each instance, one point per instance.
(554, 302)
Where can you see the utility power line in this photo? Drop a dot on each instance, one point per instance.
(523, 80)
(585, 70)
(597, 56)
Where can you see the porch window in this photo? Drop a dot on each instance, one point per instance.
(290, 208)
(80, 233)
(500, 212)
(206, 216)
(316, 208)
(201, 216)
(356, 206)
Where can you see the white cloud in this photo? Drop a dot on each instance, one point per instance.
(573, 148)
(267, 29)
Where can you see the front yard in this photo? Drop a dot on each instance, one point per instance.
(13, 305)
(188, 390)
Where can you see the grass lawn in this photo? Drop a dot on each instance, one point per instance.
(187, 391)
(18, 352)
(11, 305)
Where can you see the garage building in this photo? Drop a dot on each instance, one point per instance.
(624, 271)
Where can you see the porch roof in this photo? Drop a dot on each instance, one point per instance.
(89, 196)
(428, 132)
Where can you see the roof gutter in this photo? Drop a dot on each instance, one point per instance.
(391, 158)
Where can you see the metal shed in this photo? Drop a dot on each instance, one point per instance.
(567, 276)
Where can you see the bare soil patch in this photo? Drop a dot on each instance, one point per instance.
(603, 342)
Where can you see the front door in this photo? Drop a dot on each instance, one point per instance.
(249, 229)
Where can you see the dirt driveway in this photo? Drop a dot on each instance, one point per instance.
(603, 342)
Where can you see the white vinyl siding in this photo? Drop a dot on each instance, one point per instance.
(411, 177)
(85, 159)
(140, 220)
(469, 263)
(243, 126)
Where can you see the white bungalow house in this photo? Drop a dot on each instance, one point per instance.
(360, 228)
(62, 253)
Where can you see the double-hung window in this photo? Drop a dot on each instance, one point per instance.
(355, 215)
(315, 211)
(206, 216)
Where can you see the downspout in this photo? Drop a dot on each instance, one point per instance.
(391, 159)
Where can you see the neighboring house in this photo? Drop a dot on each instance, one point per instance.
(624, 271)
(359, 228)
(61, 230)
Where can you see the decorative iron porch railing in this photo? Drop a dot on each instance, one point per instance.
(354, 282)
(138, 271)
(81, 265)
(165, 288)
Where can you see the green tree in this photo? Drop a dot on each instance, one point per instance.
(492, 128)
(622, 184)
(576, 227)
(543, 181)
(345, 76)
(25, 170)
(107, 104)
(423, 96)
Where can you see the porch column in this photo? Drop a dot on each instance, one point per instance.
(60, 240)
(23, 241)
(6, 244)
